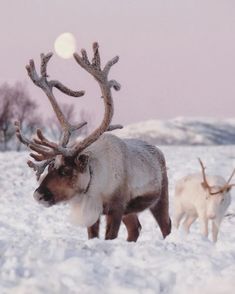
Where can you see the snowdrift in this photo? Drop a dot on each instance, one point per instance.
(183, 131)
(41, 252)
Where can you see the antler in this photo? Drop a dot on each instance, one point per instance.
(228, 185)
(205, 182)
(43, 155)
(206, 185)
(45, 149)
(101, 76)
(47, 87)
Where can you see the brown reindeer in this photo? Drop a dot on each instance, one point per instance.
(102, 174)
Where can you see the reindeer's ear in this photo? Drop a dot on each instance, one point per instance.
(82, 161)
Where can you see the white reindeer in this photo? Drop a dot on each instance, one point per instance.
(203, 197)
(100, 174)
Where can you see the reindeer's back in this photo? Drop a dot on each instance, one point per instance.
(189, 188)
(130, 162)
(145, 167)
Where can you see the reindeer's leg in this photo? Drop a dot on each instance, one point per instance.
(160, 213)
(160, 209)
(215, 230)
(178, 215)
(113, 222)
(177, 219)
(133, 226)
(188, 222)
(93, 231)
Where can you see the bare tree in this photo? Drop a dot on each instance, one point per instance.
(6, 115)
(23, 106)
(15, 104)
(24, 110)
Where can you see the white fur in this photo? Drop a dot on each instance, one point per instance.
(58, 161)
(114, 160)
(85, 211)
(193, 201)
(117, 164)
(117, 168)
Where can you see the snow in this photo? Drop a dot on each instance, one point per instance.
(183, 131)
(41, 252)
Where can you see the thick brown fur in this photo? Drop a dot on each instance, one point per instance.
(133, 226)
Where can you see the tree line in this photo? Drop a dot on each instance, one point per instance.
(17, 105)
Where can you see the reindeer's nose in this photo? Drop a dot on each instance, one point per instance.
(43, 194)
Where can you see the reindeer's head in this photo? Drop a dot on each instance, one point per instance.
(68, 170)
(216, 195)
(66, 178)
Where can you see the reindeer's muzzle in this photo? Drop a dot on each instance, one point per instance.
(44, 196)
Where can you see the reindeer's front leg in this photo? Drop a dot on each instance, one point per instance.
(93, 231)
(113, 221)
(133, 226)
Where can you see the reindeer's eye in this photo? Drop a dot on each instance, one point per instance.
(65, 171)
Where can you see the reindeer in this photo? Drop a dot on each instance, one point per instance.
(101, 174)
(203, 197)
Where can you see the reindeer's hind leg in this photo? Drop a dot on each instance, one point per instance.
(179, 213)
(133, 226)
(189, 220)
(215, 229)
(160, 210)
(93, 231)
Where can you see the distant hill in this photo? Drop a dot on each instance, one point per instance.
(182, 131)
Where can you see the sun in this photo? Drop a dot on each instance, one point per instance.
(65, 45)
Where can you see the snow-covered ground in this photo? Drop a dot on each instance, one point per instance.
(183, 131)
(41, 252)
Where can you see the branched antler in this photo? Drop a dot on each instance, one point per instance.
(45, 150)
(39, 167)
(47, 87)
(207, 186)
(228, 185)
(101, 76)
(114, 127)
(205, 182)
(37, 145)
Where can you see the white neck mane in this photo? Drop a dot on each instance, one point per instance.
(85, 210)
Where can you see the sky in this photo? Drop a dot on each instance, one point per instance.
(177, 58)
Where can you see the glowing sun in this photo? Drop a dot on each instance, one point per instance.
(65, 45)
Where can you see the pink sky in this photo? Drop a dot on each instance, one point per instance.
(177, 58)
